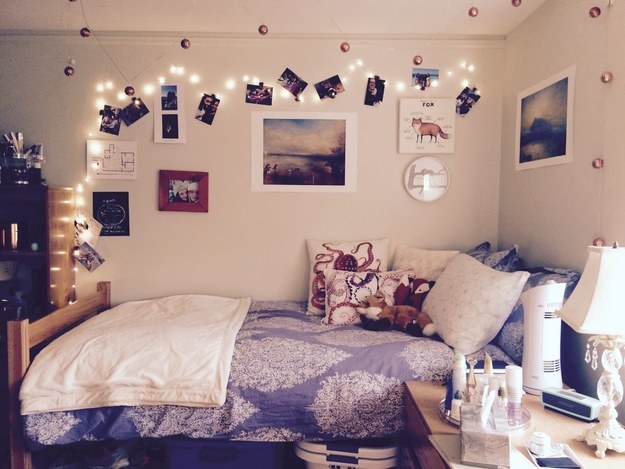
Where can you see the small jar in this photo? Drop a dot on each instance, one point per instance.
(540, 444)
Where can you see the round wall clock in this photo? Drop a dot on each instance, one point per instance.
(426, 179)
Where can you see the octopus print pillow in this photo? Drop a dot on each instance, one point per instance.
(352, 256)
(345, 290)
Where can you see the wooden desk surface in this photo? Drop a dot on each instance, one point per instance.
(562, 429)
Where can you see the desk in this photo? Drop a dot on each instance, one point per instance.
(423, 420)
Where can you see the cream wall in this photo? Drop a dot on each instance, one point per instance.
(555, 212)
(254, 243)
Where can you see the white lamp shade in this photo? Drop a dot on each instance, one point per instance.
(597, 305)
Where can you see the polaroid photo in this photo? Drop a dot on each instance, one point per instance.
(111, 121)
(169, 97)
(134, 111)
(466, 99)
(207, 109)
(170, 127)
(292, 83)
(374, 94)
(259, 94)
(423, 78)
(89, 257)
(330, 87)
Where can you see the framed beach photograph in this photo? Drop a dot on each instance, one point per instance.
(304, 152)
(544, 131)
(182, 191)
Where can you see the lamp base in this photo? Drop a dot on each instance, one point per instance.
(607, 434)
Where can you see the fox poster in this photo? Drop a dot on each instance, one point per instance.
(427, 125)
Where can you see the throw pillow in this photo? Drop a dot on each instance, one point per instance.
(428, 264)
(470, 302)
(354, 256)
(345, 290)
(507, 260)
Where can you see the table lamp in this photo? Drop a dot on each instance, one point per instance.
(597, 307)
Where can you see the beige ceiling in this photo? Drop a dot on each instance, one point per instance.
(344, 18)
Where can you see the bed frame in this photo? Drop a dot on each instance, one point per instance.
(22, 337)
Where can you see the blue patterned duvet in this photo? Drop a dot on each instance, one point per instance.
(292, 378)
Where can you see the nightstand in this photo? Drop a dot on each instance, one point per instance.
(423, 420)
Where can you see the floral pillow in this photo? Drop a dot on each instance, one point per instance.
(353, 256)
(470, 302)
(345, 290)
(507, 260)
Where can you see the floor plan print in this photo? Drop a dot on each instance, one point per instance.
(111, 159)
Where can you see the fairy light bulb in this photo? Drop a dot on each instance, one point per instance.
(417, 60)
(473, 12)
(345, 46)
(263, 29)
(516, 3)
(594, 12)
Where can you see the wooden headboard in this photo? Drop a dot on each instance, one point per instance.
(22, 336)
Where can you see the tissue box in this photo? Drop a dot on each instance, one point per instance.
(487, 446)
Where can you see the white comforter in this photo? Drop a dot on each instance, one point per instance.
(172, 350)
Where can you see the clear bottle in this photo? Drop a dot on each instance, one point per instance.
(459, 374)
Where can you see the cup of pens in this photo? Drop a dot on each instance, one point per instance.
(13, 161)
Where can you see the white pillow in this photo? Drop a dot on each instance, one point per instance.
(355, 256)
(470, 302)
(427, 263)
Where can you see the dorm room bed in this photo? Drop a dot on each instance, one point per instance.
(291, 378)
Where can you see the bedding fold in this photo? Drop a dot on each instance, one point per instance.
(173, 350)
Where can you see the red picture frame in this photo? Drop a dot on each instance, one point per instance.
(182, 191)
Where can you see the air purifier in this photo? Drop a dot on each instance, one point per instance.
(541, 337)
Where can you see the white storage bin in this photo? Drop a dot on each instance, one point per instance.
(366, 454)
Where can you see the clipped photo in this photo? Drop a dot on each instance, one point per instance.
(292, 83)
(259, 94)
(207, 109)
(329, 87)
(111, 121)
(134, 111)
(374, 94)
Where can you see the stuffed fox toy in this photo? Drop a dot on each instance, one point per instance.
(376, 315)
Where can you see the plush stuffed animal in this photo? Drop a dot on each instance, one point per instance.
(420, 289)
(376, 315)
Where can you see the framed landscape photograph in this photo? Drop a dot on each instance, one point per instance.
(544, 133)
(182, 191)
(304, 152)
